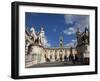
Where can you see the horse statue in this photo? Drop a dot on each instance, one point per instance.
(33, 34)
(38, 37)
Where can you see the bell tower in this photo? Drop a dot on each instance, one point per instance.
(61, 40)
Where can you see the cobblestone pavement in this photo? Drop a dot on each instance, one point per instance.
(54, 64)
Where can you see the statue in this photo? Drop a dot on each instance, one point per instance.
(42, 37)
(33, 34)
(38, 37)
(86, 30)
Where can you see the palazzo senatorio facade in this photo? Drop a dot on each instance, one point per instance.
(36, 52)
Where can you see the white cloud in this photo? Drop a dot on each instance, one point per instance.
(68, 19)
(46, 43)
(70, 31)
(72, 43)
(74, 40)
(80, 21)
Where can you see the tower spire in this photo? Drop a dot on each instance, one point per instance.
(61, 40)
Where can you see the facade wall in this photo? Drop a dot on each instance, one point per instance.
(42, 55)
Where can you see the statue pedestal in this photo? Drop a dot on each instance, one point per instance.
(37, 53)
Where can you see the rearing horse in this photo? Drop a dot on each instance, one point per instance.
(33, 34)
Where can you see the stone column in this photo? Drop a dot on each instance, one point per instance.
(57, 55)
(53, 55)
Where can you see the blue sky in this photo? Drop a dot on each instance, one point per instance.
(54, 24)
